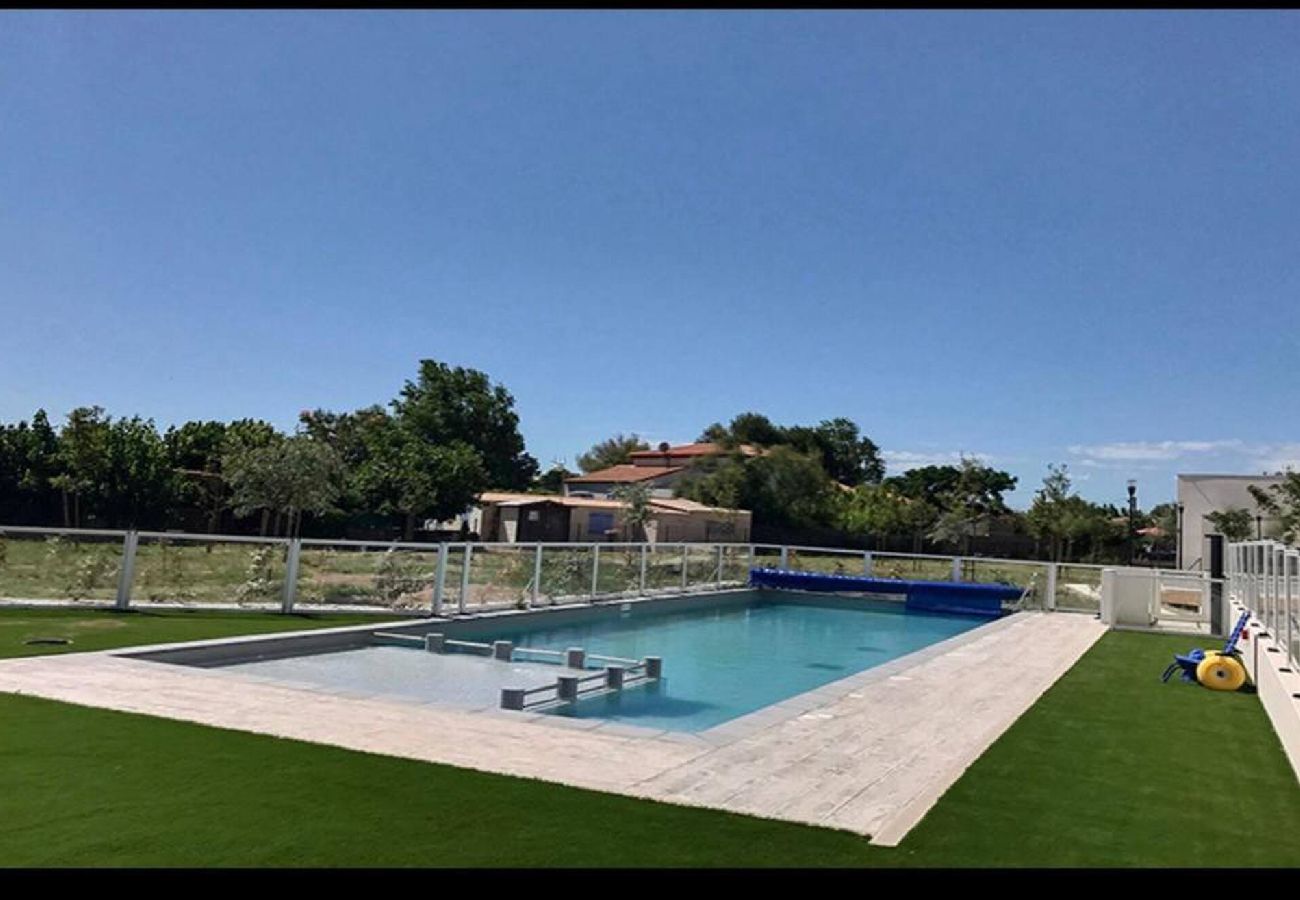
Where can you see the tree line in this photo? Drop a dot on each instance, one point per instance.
(448, 435)
(830, 479)
(451, 433)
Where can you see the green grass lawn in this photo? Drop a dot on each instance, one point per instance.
(1111, 767)
(91, 629)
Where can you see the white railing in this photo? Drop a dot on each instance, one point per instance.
(129, 569)
(1264, 577)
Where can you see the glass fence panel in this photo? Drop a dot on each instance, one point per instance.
(53, 566)
(702, 568)
(374, 576)
(1078, 587)
(500, 576)
(735, 566)
(911, 568)
(620, 570)
(827, 562)
(209, 571)
(664, 568)
(566, 575)
(1026, 576)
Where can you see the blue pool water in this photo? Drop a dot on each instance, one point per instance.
(725, 661)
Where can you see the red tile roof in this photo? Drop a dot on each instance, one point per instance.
(692, 450)
(624, 474)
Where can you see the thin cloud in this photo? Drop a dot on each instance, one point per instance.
(903, 460)
(1148, 451)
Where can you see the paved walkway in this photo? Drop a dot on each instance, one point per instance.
(871, 753)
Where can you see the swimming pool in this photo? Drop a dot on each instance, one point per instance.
(727, 661)
(722, 659)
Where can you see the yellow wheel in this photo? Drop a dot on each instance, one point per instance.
(1221, 673)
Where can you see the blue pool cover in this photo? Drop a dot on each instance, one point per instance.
(929, 596)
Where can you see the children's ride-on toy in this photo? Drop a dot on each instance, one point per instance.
(1218, 670)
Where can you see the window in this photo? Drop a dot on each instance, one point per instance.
(600, 522)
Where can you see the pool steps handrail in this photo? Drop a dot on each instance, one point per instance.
(613, 676)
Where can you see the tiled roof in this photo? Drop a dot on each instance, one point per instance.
(707, 448)
(624, 473)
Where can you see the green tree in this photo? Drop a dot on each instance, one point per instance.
(405, 475)
(1234, 523)
(638, 512)
(878, 510)
(287, 478)
(1282, 501)
(612, 451)
(974, 499)
(194, 454)
(846, 456)
(1049, 515)
(29, 461)
(446, 406)
(81, 456)
(552, 480)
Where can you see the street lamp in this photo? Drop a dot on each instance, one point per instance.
(1178, 551)
(1132, 518)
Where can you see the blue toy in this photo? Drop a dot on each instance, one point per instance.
(1192, 662)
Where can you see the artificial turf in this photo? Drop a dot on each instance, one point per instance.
(101, 629)
(1110, 767)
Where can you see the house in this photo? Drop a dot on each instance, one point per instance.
(1200, 495)
(659, 469)
(527, 518)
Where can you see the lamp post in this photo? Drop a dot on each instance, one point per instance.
(1132, 519)
(1178, 548)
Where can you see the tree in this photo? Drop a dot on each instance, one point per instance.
(638, 510)
(1283, 501)
(783, 487)
(552, 480)
(194, 455)
(81, 455)
(289, 477)
(1048, 516)
(877, 510)
(446, 405)
(1234, 523)
(612, 451)
(403, 474)
(975, 497)
(28, 462)
(846, 456)
(138, 485)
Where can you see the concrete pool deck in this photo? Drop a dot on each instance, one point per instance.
(870, 753)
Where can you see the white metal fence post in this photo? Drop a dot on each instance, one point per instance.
(595, 570)
(866, 564)
(956, 568)
(1049, 595)
(537, 578)
(126, 574)
(645, 554)
(719, 582)
(440, 579)
(686, 565)
(293, 554)
(785, 557)
(464, 578)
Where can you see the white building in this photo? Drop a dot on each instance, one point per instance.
(1200, 495)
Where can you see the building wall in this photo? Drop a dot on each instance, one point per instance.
(659, 487)
(1204, 494)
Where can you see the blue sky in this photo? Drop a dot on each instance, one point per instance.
(1036, 237)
